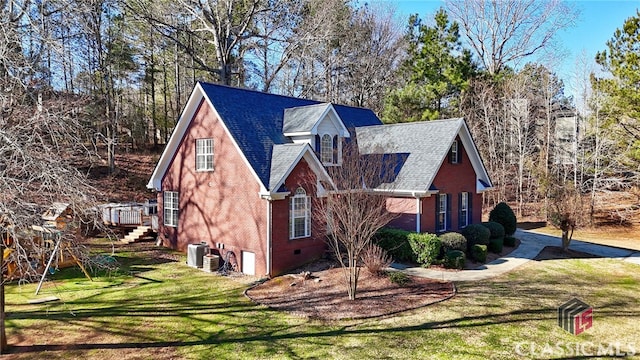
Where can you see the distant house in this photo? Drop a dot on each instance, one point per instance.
(233, 174)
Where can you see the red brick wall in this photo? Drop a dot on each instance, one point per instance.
(289, 254)
(405, 209)
(453, 179)
(219, 207)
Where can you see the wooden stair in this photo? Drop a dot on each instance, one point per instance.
(137, 234)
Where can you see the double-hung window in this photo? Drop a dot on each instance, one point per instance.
(300, 215)
(326, 149)
(170, 206)
(454, 155)
(204, 154)
(442, 213)
(464, 209)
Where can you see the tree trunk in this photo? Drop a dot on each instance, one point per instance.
(3, 334)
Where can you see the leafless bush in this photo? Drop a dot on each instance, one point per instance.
(375, 259)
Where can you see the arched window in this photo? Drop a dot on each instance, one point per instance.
(326, 149)
(300, 215)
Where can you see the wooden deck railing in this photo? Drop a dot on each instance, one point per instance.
(130, 217)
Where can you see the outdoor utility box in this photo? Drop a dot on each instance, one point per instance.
(210, 263)
(195, 253)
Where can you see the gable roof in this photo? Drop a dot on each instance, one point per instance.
(427, 144)
(286, 156)
(304, 120)
(254, 121)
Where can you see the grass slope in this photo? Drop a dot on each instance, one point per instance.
(166, 310)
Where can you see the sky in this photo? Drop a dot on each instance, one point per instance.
(596, 24)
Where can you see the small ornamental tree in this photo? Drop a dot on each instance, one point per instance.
(353, 211)
(565, 210)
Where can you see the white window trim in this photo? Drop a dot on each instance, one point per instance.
(464, 208)
(442, 211)
(171, 208)
(326, 150)
(454, 152)
(300, 194)
(204, 154)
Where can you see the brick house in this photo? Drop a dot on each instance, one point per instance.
(233, 174)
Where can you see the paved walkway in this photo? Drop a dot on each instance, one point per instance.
(531, 244)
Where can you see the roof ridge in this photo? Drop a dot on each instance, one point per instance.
(256, 91)
(291, 144)
(317, 102)
(420, 122)
(304, 106)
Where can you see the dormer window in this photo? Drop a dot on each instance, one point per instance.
(326, 149)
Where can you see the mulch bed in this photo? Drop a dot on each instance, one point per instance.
(556, 252)
(324, 295)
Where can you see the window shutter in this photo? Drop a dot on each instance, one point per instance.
(450, 157)
(448, 212)
(437, 198)
(318, 145)
(460, 218)
(470, 207)
(335, 149)
(291, 222)
(460, 147)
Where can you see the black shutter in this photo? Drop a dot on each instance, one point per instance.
(335, 149)
(437, 213)
(470, 207)
(318, 145)
(289, 217)
(460, 148)
(460, 217)
(450, 155)
(448, 212)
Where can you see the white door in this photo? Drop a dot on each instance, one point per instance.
(248, 263)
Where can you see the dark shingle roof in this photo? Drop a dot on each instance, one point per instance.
(427, 144)
(255, 121)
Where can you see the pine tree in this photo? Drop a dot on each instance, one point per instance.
(437, 69)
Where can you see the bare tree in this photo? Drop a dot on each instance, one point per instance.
(505, 32)
(43, 142)
(565, 206)
(356, 211)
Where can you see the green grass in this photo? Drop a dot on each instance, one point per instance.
(168, 310)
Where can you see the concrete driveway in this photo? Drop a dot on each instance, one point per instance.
(531, 244)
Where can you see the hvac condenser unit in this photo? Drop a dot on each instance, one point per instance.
(195, 253)
(210, 263)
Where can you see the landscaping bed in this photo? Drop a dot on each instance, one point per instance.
(324, 294)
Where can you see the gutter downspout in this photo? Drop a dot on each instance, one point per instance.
(418, 212)
(269, 239)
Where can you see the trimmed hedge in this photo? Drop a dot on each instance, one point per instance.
(495, 245)
(496, 229)
(454, 259)
(479, 253)
(426, 247)
(503, 214)
(476, 234)
(396, 243)
(453, 241)
(509, 241)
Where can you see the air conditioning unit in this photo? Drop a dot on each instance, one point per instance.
(195, 253)
(210, 263)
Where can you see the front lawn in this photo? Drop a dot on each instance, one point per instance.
(167, 310)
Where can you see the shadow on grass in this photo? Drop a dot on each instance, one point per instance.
(276, 334)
